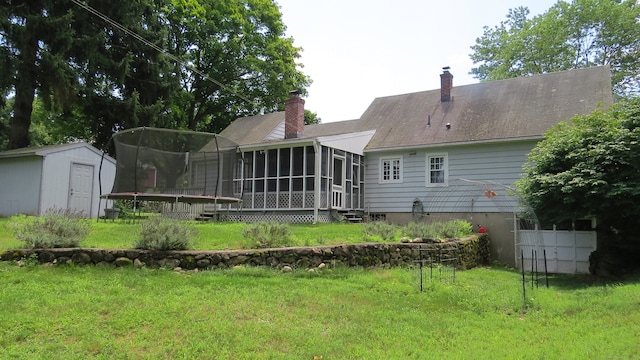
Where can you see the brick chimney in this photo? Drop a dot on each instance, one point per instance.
(446, 83)
(294, 116)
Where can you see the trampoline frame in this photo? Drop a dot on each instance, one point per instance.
(164, 197)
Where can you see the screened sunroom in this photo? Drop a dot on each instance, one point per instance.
(297, 183)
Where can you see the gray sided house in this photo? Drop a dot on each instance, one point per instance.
(456, 152)
(36, 179)
(453, 152)
(425, 141)
(286, 171)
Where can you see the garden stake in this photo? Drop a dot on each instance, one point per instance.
(537, 275)
(546, 273)
(420, 251)
(524, 288)
(532, 259)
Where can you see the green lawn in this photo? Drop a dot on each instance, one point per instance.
(211, 235)
(256, 313)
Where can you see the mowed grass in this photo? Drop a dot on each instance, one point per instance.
(68, 312)
(211, 235)
(73, 312)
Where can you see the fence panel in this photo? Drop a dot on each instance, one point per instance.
(567, 252)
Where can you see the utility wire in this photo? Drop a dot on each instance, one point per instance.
(140, 38)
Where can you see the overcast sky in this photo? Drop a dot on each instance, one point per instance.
(357, 50)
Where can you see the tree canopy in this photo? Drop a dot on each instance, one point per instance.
(590, 167)
(101, 66)
(569, 35)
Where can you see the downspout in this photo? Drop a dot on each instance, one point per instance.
(316, 179)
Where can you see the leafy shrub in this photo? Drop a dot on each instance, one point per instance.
(438, 231)
(161, 233)
(379, 228)
(30, 261)
(57, 228)
(267, 235)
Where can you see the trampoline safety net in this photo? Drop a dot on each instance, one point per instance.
(152, 161)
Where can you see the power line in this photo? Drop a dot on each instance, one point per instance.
(140, 38)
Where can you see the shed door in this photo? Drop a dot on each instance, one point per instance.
(81, 188)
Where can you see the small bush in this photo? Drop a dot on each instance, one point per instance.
(438, 231)
(161, 233)
(267, 235)
(55, 229)
(420, 230)
(457, 228)
(379, 228)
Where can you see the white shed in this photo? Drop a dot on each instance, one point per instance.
(36, 179)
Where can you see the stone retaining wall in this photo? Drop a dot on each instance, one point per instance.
(471, 252)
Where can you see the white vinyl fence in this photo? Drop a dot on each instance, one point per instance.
(567, 252)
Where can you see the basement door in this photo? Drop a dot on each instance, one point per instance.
(81, 188)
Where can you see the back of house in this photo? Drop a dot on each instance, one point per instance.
(456, 152)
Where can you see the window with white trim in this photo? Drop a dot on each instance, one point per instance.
(391, 170)
(437, 173)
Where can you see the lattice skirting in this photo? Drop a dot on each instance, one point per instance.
(284, 218)
(298, 200)
(179, 215)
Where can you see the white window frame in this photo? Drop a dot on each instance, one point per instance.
(445, 169)
(390, 160)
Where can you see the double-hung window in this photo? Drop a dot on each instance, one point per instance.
(391, 170)
(437, 173)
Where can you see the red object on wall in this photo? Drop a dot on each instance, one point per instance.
(481, 229)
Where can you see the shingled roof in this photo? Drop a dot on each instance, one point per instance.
(514, 108)
(517, 108)
(253, 130)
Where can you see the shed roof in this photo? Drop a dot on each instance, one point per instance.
(45, 150)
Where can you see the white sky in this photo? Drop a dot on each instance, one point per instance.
(357, 50)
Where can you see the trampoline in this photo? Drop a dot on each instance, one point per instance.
(173, 166)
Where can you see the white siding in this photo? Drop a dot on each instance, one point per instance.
(34, 183)
(277, 133)
(57, 171)
(20, 185)
(352, 142)
(497, 163)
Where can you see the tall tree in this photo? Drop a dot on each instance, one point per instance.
(126, 81)
(166, 63)
(572, 35)
(239, 61)
(35, 37)
(311, 118)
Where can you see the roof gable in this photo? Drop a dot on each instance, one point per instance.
(269, 128)
(253, 129)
